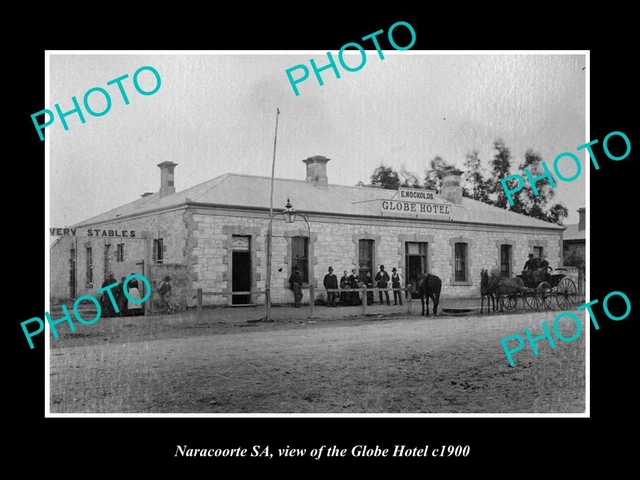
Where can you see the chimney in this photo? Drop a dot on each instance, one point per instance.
(317, 170)
(166, 178)
(452, 186)
(581, 223)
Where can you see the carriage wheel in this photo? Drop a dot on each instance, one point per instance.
(531, 299)
(509, 302)
(565, 293)
(544, 296)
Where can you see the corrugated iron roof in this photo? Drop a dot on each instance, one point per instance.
(248, 191)
(572, 233)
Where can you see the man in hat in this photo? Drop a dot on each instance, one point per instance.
(382, 279)
(529, 265)
(396, 282)
(331, 281)
(295, 283)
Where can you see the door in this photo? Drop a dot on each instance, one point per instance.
(241, 269)
(416, 262)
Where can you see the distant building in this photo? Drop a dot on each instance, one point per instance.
(213, 237)
(574, 247)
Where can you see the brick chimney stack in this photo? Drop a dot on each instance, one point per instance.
(166, 178)
(452, 186)
(317, 170)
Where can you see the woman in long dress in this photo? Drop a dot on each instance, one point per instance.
(134, 293)
(121, 299)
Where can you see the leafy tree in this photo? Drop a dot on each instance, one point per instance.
(474, 182)
(387, 177)
(433, 176)
(409, 179)
(538, 206)
(573, 257)
(500, 166)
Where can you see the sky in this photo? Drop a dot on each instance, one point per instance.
(215, 113)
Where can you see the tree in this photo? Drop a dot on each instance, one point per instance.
(500, 166)
(474, 182)
(409, 179)
(387, 177)
(573, 257)
(538, 206)
(433, 177)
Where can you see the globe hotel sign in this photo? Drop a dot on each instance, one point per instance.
(415, 203)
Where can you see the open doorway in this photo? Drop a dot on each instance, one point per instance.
(241, 270)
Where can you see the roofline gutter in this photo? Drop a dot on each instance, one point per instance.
(186, 204)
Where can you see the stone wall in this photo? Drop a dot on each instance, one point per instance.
(335, 243)
(170, 226)
(199, 251)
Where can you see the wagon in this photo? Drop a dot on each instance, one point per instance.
(541, 286)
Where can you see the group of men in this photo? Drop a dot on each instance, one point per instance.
(125, 306)
(348, 282)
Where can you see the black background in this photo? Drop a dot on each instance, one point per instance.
(510, 446)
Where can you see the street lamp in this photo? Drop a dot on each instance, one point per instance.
(289, 215)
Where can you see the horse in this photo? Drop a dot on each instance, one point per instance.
(429, 286)
(507, 286)
(487, 289)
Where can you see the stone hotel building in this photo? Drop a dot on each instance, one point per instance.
(213, 236)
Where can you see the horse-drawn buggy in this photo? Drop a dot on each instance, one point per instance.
(541, 285)
(534, 287)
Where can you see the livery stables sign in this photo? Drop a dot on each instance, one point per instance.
(416, 204)
(91, 232)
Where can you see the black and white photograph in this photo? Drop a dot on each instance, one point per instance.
(356, 233)
(308, 238)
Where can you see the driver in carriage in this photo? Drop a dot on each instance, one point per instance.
(528, 269)
(542, 269)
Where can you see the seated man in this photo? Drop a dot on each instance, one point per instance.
(528, 266)
(542, 269)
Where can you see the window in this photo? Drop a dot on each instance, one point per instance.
(120, 252)
(72, 273)
(365, 258)
(460, 262)
(89, 272)
(107, 259)
(300, 256)
(537, 252)
(505, 260)
(158, 251)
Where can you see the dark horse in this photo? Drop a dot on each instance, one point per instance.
(495, 287)
(488, 289)
(429, 286)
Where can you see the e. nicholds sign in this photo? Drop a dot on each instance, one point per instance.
(415, 203)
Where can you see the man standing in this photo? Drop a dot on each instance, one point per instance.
(354, 283)
(165, 293)
(382, 279)
(396, 282)
(345, 284)
(331, 281)
(295, 283)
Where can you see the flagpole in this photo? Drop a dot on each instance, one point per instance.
(269, 228)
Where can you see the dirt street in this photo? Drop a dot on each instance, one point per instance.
(362, 365)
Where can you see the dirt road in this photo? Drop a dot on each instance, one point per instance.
(389, 365)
